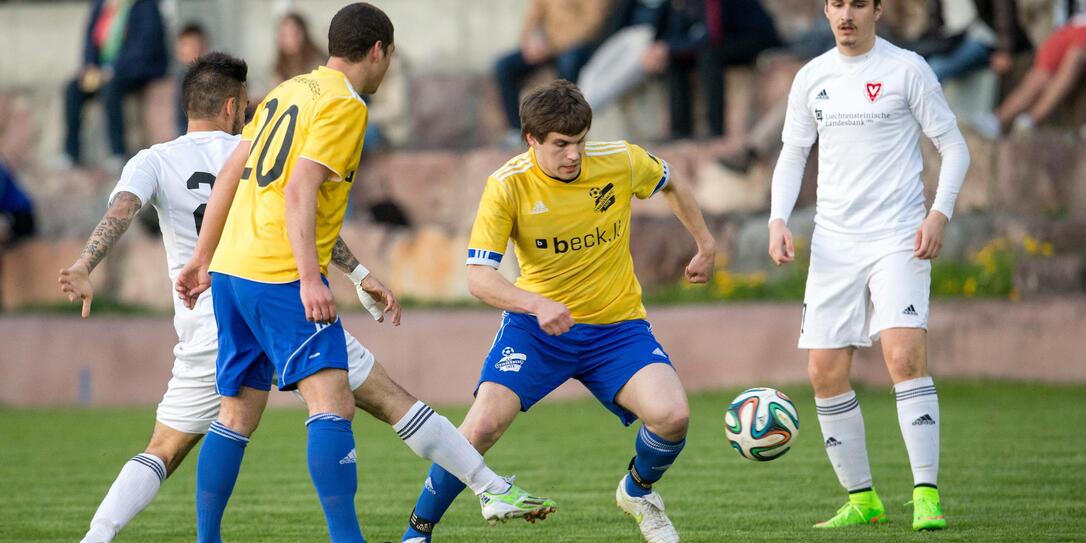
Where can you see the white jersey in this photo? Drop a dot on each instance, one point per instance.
(866, 113)
(176, 178)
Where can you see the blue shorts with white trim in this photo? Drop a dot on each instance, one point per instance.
(603, 357)
(263, 332)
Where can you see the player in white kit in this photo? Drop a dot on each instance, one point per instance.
(176, 178)
(866, 103)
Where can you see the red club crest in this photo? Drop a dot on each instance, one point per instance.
(873, 90)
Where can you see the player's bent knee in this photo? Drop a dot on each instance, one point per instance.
(671, 424)
(382, 397)
(904, 364)
(828, 378)
(483, 434)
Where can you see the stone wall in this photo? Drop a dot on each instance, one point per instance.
(126, 361)
(1015, 189)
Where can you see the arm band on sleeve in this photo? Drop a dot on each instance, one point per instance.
(955, 153)
(787, 179)
(358, 274)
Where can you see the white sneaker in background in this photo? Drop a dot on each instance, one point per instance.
(987, 125)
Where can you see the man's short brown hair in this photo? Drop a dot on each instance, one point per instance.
(558, 107)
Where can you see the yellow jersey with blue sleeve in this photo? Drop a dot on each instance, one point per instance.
(316, 116)
(572, 239)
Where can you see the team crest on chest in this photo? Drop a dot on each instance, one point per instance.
(604, 197)
(872, 91)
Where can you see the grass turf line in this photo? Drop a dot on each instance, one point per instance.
(1013, 468)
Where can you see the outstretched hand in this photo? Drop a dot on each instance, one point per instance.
(75, 281)
(929, 238)
(700, 268)
(781, 248)
(191, 282)
(378, 294)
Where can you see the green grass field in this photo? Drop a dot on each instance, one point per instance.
(1013, 469)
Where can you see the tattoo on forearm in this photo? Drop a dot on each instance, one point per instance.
(342, 257)
(109, 230)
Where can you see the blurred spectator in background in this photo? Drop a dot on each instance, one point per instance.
(189, 45)
(616, 67)
(989, 35)
(295, 51)
(558, 32)
(17, 135)
(389, 113)
(1054, 76)
(707, 36)
(764, 139)
(123, 50)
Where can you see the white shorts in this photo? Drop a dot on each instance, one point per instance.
(857, 288)
(191, 403)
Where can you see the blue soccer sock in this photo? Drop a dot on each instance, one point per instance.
(654, 455)
(437, 495)
(333, 468)
(216, 473)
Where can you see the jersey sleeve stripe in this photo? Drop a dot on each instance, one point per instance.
(664, 178)
(503, 175)
(513, 163)
(597, 144)
(331, 169)
(607, 151)
(484, 257)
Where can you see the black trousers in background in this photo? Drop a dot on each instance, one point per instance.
(709, 64)
(112, 94)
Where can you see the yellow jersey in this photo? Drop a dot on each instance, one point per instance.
(317, 116)
(572, 239)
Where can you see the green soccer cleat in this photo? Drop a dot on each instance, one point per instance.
(927, 511)
(862, 508)
(515, 503)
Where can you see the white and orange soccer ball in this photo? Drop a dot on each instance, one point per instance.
(761, 424)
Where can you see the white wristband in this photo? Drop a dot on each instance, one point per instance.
(358, 274)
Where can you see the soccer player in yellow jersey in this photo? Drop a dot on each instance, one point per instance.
(575, 312)
(278, 207)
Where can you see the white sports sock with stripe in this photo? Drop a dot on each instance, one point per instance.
(918, 416)
(434, 438)
(843, 436)
(134, 488)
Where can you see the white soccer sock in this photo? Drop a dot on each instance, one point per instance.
(134, 488)
(434, 438)
(843, 436)
(918, 415)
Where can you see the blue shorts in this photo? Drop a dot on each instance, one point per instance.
(603, 357)
(263, 332)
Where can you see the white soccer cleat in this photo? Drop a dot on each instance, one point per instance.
(649, 514)
(416, 540)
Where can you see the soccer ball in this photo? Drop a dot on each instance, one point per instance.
(761, 424)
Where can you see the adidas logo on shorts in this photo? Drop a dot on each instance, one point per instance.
(832, 442)
(910, 311)
(924, 420)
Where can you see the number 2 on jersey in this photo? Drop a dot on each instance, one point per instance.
(264, 139)
(193, 183)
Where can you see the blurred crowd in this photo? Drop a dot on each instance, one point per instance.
(613, 49)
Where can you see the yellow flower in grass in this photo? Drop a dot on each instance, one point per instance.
(1046, 249)
(1031, 245)
(969, 289)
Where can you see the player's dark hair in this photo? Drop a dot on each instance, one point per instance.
(874, 3)
(558, 107)
(356, 28)
(212, 79)
(192, 29)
